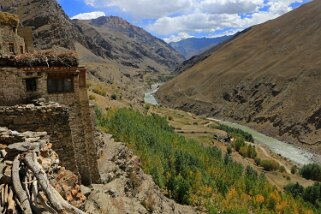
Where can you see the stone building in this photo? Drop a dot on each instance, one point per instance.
(51, 78)
(12, 42)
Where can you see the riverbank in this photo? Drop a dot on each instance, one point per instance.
(290, 152)
(295, 154)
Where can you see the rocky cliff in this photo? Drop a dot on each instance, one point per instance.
(268, 77)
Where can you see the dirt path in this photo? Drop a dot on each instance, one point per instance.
(268, 155)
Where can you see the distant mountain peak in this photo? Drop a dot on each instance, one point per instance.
(194, 46)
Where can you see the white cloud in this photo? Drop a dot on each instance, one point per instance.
(176, 19)
(144, 8)
(230, 6)
(177, 37)
(197, 22)
(89, 16)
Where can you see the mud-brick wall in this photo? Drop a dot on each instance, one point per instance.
(53, 119)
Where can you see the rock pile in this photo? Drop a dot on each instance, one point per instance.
(31, 179)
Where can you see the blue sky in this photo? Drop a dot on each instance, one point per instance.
(173, 20)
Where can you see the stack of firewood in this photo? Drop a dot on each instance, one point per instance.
(26, 169)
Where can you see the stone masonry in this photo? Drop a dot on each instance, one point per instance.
(13, 91)
(53, 78)
(51, 118)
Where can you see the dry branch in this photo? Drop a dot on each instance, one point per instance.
(54, 197)
(24, 177)
(22, 195)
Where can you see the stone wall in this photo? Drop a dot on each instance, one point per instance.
(51, 118)
(8, 35)
(13, 86)
(13, 91)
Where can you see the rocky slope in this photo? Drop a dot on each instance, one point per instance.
(194, 46)
(108, 37)
(126, 188)
(130, 45)
(268, 77)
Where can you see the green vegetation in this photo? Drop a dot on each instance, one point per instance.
(246, 150)
(269, 165)
(311, 171)
(195, 174)
(311, 194)
(236, 133)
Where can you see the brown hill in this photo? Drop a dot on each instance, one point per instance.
(130, 45)
(268, 77)
(109, 37)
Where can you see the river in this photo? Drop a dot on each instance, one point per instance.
(297, 155)
(149, 95)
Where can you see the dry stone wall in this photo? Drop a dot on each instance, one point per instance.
(13, 91)
(9, 35)
(51, 118)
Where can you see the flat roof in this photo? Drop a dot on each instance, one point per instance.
(9, 19)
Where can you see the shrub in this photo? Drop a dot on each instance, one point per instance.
(313, 194)
(147, 106)
(282, 169)
(257, 161)
(311, 171)
(113, 97)
(251, 153)
(92, 97)
(98, 89)
(294, 169)
(296, 190)
(238, 144)
(229, 150)
(243, 151)
(270, 165)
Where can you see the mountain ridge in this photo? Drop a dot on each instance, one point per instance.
(195, 46)
(267, 77)
(52, 27)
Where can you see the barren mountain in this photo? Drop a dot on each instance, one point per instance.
(268, 77)
(194, 46)
(51, 26)
(130, 45)
(108, 37)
